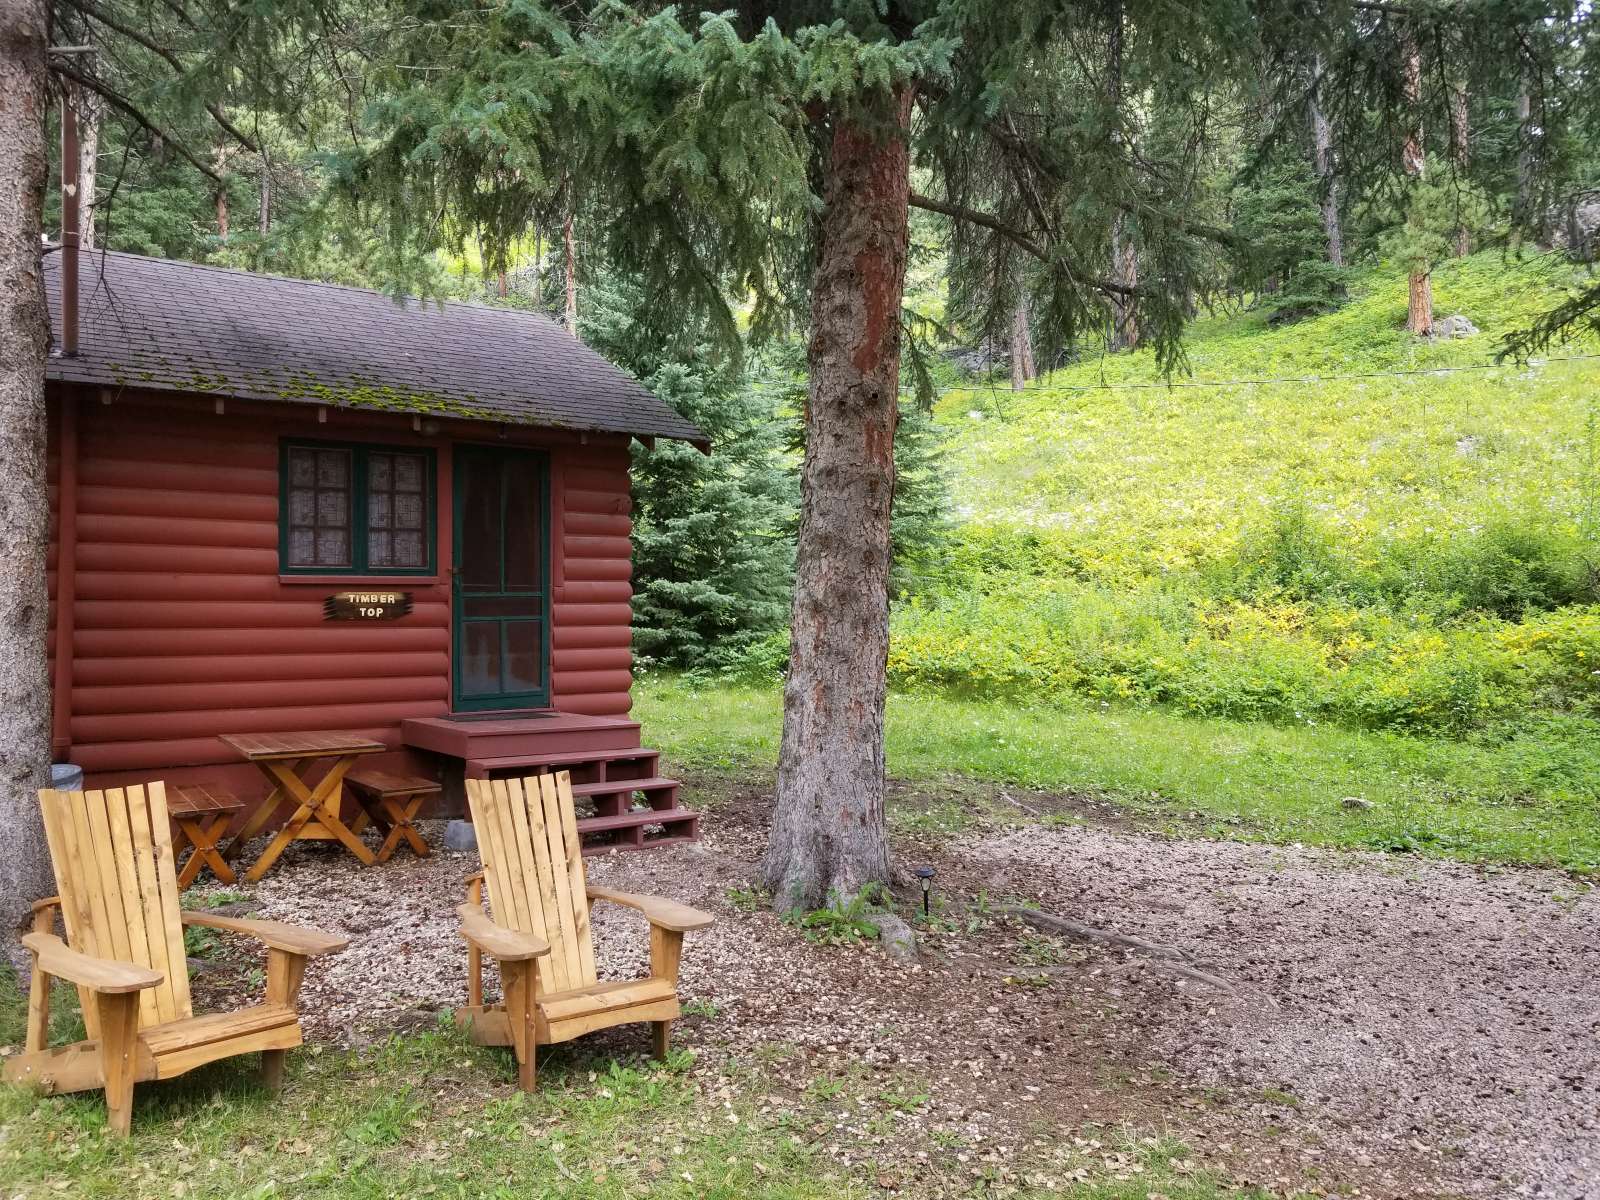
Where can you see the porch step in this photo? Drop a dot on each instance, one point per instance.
(656, 790)
(627, 831)
(637, 759)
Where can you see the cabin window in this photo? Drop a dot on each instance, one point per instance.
(349, 509)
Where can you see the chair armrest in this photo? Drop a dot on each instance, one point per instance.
(107, 975)
(475, 877)
(668, 914)
(44, 914)
(498, 942)
(295, 939)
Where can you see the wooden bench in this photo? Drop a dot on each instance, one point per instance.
(390, 801)
(202, 812)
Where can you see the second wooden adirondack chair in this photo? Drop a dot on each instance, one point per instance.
(528, 840)
(112, 852)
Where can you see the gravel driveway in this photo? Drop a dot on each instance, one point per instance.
(1405, 1027)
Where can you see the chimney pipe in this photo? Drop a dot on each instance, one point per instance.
(69, 228)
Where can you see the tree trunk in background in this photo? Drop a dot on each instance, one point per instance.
(1124, 260)
(1460, 152)
(87, 106)
(571, 318)
(264, 216)
(828, 834)
(1022, 368)
(1124, 270)
(1525, 158)
(220, 196)
(1327, 172)
(24, 505)
(1419, 309)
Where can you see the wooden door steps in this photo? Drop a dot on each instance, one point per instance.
(623, 800)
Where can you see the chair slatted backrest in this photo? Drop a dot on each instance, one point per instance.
(112, 852)
(533, 862)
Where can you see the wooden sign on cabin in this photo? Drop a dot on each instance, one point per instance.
(366, 606)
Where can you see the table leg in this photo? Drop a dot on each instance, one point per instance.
(202, 834)
(328, 794)
(264, 812)
(402, 817)
(288, 780)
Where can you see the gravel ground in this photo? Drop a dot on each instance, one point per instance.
(1397, 1027)
(1440, 1008)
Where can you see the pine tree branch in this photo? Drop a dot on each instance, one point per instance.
(95, 12)
(972, 216)
(121, 102)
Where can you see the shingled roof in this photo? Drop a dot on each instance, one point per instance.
(177, 326)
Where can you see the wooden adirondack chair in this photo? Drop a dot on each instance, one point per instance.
(112, 852)
(528, 840)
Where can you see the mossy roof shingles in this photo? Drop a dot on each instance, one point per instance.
(156, 323)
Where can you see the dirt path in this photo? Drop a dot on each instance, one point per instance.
(1410, 1029)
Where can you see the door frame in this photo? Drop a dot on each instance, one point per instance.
(515, 701)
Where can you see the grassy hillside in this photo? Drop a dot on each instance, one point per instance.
(1407, 541)
(1141, 480)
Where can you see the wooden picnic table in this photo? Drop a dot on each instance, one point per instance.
(287, 759)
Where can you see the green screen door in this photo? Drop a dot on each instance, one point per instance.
(501, 589)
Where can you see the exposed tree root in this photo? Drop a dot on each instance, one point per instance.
(1163, 957)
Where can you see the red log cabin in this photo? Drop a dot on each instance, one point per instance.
(282, 505)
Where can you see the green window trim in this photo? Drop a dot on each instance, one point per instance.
(359, 527)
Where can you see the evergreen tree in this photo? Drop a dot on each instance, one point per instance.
(1282, 242)
(713, 551)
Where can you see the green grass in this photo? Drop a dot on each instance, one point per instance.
(1507, 803)
(1415, 552)
(433, 1115)
(1143, 481)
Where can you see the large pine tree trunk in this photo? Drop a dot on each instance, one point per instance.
(24, 516)
(828, 834)
(1327, 172)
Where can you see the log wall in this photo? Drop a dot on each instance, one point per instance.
(182, 628)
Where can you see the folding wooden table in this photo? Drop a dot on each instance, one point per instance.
(287, 759)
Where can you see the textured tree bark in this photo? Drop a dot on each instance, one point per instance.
(1124, 270)
(828, 835)
(1419, 308)
(88, 107)
(1525, 158)
(24, 504)
(1461, 151)
(1327, 172)
(1022, 368)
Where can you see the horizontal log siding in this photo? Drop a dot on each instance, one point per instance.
(184, 630)
(591, 647)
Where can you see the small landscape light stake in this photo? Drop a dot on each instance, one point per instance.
(926, 875)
